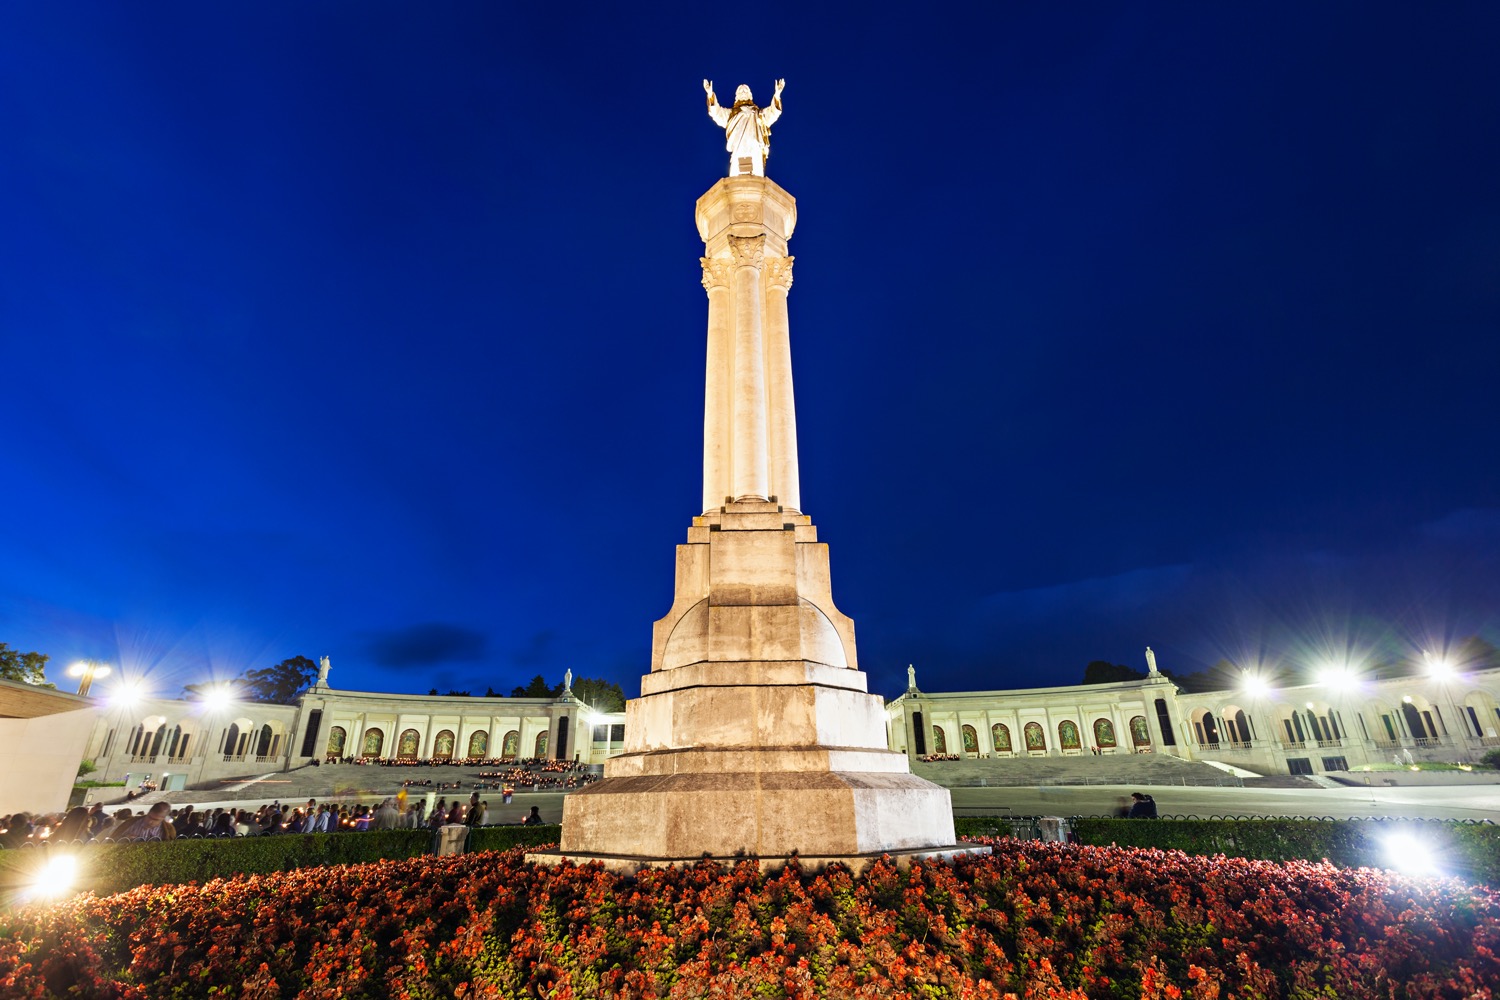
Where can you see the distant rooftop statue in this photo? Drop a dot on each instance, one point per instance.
(747, 128)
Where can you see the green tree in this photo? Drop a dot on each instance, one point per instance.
(600, 695)
(279, 684)
(28, 668)
(1104, 672)
(538, 688)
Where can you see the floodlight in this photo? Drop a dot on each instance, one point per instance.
(55, 878)
(1437, 667)
(217, 697)
(1408, 855)
(128, 693)
(1254, 685)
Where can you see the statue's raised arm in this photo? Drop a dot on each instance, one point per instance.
(747, 128)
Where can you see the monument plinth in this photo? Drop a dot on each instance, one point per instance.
(755, 733)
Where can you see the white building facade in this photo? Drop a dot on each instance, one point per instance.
(1302, 729)
(180, 743)
(1299, 729)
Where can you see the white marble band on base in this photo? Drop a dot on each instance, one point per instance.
(858, 864)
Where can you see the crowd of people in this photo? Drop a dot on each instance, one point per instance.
(538, 763)
(536, 780)
(84, 824)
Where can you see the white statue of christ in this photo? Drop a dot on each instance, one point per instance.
(747, 128)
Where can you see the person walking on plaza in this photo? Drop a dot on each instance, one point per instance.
(535, 819)
(386, 817)
(1144, 807)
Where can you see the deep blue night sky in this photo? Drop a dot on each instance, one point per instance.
(375, 331)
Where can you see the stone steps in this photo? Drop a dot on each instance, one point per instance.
(1113, 769)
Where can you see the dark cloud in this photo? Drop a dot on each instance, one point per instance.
(427, 644)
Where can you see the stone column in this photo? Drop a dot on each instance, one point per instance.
(751, 478)
(717, 398)
(325, 725)
(783, 413)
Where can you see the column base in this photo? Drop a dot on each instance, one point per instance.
(761, 813)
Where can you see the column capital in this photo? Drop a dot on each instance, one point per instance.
(748, 251)
(779, 272)
(715, 273)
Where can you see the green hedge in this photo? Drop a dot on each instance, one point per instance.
(981, 826)
(110, 868)
(503, 838)
(1468, 850)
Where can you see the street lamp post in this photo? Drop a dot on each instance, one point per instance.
(86, 671)
(1442, 673)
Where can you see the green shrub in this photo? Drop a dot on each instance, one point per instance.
(1491, 758)
(110, 868)
(981, 826)
(501, 838)
(1468, 850)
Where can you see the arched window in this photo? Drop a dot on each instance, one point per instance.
(408, 745)
(1236, 726)
(1104, 733)
(479, 744)
(231, 741)
(1140, 733)
(1067, 735)
(177, 744)
(1205, 728)
(1000, 737)
(263, 749)
(939, 740)
(156, 740)
(1036, 739)
(511, 745)
(541, 745)
(133, 746)
(374, 743)
(442, 747)
(337, 737)
(971, 739)
(1419, 727)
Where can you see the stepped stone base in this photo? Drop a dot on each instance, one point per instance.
(622, 864)
(682, 804)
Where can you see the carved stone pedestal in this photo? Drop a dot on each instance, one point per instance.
(755, 735)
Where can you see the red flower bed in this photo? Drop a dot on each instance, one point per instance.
(1034, 920)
